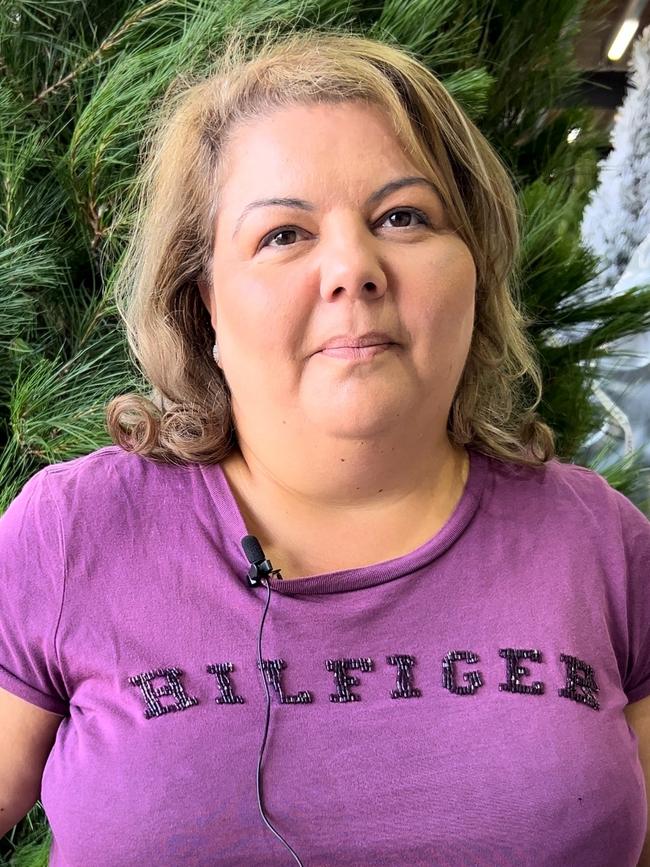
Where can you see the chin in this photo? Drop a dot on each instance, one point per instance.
(353, 427)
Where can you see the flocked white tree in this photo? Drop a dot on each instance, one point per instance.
(617, 218)
(616, 227)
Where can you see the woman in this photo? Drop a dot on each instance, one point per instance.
(320, 291)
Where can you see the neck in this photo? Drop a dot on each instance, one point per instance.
(375, 506)
(351, 475)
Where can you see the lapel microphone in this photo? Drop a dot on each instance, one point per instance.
(259, 571)
(260, 566)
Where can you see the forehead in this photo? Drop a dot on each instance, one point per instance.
(330, 149)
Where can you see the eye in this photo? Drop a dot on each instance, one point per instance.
(292, 230)
(284, 230)
(412, 212)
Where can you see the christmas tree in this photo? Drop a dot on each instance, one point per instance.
(616, 227)
(78, 84)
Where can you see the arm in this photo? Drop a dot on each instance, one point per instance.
(27, 735)
(638, 718)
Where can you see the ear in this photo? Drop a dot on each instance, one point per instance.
(206, 296)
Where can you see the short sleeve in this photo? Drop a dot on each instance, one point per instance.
(31, 594)
(635, 528)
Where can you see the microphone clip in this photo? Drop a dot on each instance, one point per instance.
(260, 565)
(259, 570)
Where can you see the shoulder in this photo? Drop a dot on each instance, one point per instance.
(565, 492)
(102, 462)
(110, 482)
(555, 477)
(582, 484)
(110, 498)
(103, 469)
(597, 495)
(554, 471)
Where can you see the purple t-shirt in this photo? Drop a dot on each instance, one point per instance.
(461, 705)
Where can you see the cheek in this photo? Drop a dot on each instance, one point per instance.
(442, 323)
(262, 328)
(243, 306)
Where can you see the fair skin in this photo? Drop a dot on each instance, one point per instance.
(340, 463)
(637, 715)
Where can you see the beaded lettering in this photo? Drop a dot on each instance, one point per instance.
(580, 681)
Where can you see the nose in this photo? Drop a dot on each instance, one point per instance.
(350, 265)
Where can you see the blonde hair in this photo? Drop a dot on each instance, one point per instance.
(187, 416)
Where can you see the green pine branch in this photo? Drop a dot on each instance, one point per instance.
(77, 83)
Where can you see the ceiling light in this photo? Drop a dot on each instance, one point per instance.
(623, 38)
(626, 30)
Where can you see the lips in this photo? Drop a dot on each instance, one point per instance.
(350, 341)
(356, 353)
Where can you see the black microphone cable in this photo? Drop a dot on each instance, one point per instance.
(260, 569)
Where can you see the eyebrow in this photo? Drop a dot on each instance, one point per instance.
(372, 199)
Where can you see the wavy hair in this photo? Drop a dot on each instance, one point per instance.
(187, 415)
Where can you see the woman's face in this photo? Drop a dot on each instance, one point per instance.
(340, 258)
